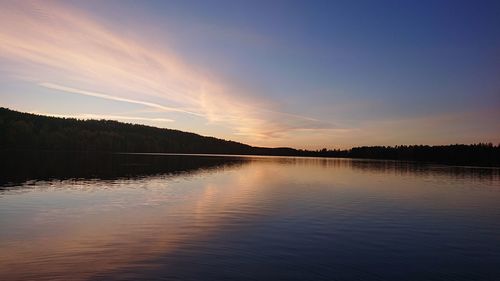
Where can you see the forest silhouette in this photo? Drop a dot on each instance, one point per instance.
(26, 131)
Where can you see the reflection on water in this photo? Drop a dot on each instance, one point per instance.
(122, 217)
(43, 165)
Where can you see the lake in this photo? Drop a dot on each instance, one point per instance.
(71, 216)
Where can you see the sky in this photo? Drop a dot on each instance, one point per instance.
(305, 74)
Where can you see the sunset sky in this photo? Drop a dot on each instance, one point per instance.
(332, 74)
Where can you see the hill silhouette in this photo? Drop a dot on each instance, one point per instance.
(23, 131)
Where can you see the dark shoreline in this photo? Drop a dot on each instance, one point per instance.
(26, 131)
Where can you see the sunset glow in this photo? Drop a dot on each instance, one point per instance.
(83, 60)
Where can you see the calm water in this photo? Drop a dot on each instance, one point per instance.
(167, 217)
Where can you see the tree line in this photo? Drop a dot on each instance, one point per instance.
(20, 130)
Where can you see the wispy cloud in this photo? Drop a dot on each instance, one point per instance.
(87, 116)
(64, 49)
(109, 97)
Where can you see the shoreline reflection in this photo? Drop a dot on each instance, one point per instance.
(147, 217)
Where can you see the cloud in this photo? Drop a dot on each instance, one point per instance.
(104, 96)
(87, 116)
(62, 48)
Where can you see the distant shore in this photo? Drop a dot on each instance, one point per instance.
(23, 131)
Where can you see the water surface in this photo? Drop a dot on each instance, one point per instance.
(172, 217)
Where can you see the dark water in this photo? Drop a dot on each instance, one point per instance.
(167, 217)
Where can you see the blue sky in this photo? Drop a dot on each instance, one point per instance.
(307, 74)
